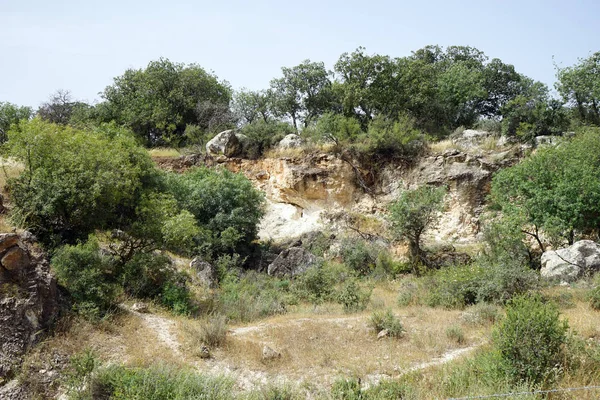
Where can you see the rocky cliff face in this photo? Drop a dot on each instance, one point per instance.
(29, 298)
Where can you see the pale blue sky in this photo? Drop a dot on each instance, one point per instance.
(81, 45)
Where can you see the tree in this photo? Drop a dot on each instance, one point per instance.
(11, 114)
(413, 213)
(60, 108)
(555, 191)
(251, 106)
(579, 85)
(303, 93)
(158, 102)
(76, 181)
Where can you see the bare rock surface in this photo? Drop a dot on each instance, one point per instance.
(228, 143)
(29, 299)
(570, 263)
(291, 262)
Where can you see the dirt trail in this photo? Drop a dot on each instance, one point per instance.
(163, 327)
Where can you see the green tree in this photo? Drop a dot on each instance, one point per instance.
(11, 114)
(555, 191)
(158, 102)
(579, 85)
(303, 93)
(251, 106)
(413, 213)
(226, 206)
(61, 107)
(75, 181)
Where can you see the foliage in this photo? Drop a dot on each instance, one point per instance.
(61, 108)
(381, 320)
(556, 190)
(530, 339)
(580, 86)
(359, 255)
(594, 294)
(11, 114)
(455, 333)
(158, 102)
(251, 106)
(265, 134)
(412, 213)
(75, 181)
(154, 383)
(353, 297)
(226, 206)
(213, 330)
(316, 285)
(350, 389)
(87, 276)
(454, 287)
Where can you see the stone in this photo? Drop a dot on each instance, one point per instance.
(570, 263)
(291, 141)
(15, 259)
(30, 308)
(269, 354)
(383, 334)
(204, 352)
(8, 240)
(291, 262)
(205, 272)
(228, 143)
(140, 307)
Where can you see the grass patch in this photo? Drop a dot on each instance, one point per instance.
(164, 152)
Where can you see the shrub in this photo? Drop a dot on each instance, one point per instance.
(265, 135)
(316, 285)
(213, 330)
(75, 181)
(346, 389)
(225, 205)
(482, 313)
(381, 320)
(594, 296)
(176, 296)
(353, 297)
(87, 276)
(530, 339)
(500, 283)
(359, 255)
(455, 333)
(454, 287)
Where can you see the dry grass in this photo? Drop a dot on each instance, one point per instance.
(443, 145)
(164, 152)
(299, 152)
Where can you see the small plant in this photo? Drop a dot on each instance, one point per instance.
(481, 314)
(353, 297)
(594, 296)
(381, 320)
(346, 389)
(531, 338)
(454, 287)
(456, 334)
(213, 330)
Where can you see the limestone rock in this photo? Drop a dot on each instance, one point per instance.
(140, 307)
(269, 354)
(572, 262)
(290, 141)
(204, 352)
(29, 300)
(205, 272)
(228, 143)
(291, 262)
(383, 334)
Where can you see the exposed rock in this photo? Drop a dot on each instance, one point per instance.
(204, 352)
(382, 334)
(269, 354)
(291, 141)
(291, 262)
(2, 208)
(228, 143)
(471, 138)
(140, 307)
(205, 272)
(570, 263)
(29, 300)
(546, 140)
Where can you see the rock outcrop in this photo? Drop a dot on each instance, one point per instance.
(205, 272)
(229, 144)
(291, 141)
(572, 262)
(29, 298)
(291, 262)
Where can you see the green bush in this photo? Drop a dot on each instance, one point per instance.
(392, 138)
(353, 297)
(75, 181)
(316, 285)
(226, 207)
(213, 330)
(501, 283)
(87, 276)
(265, 135)
(454, 287)
(455, 333)
(530, 339)
(381, 320)
(176, 296)
(594, 295)
(346, 389)
(359, 255)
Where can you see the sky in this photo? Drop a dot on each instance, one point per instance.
(81, 46)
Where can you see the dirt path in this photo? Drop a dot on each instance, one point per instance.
(162, 326)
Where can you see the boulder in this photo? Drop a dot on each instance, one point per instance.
(291, 262)
(383, 334)
(29, 300)
(228, 143)
(140, 307)
(205, 272)
(570, 263)
(290, 141)
(269, 354)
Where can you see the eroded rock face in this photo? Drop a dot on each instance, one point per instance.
(205, 272)
(228, 143)
(29, 299)
(292, 262)
(291, 141)
(572, 262)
